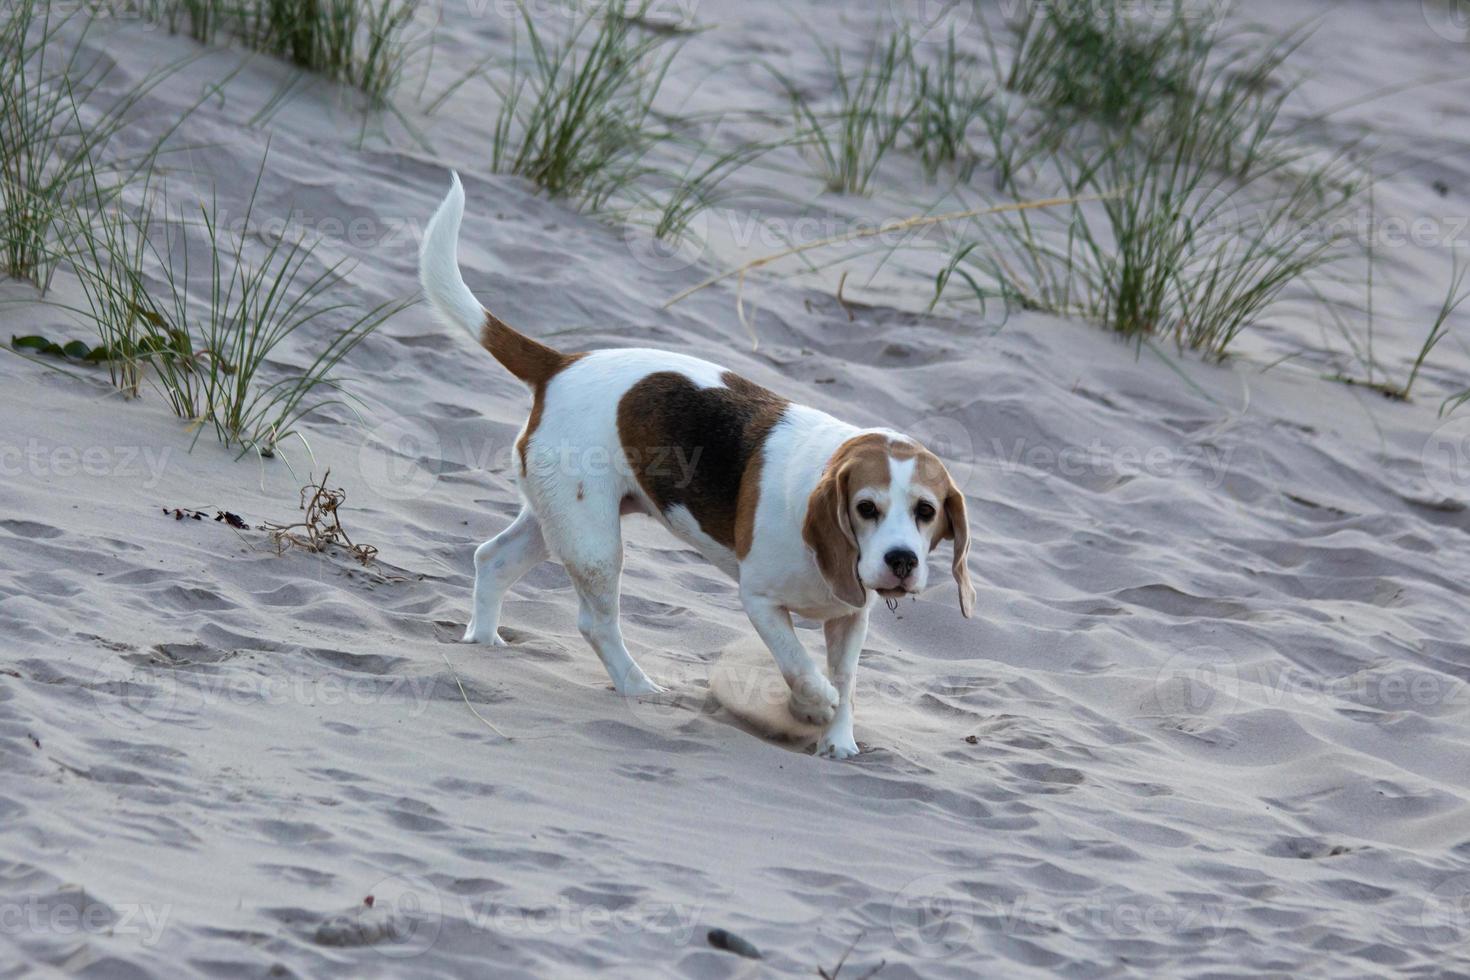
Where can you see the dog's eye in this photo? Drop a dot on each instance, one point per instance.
(867, 510)
(924, 512)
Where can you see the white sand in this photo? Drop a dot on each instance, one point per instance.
(1211, 716)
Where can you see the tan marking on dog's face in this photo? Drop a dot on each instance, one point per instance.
(951, 523)
(881, 507)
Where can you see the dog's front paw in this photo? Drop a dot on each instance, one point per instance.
(837, 743)
(487, 637)
(813, 699)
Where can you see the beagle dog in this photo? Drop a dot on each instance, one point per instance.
(809, 515)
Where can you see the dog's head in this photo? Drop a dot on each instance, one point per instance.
(883, 503)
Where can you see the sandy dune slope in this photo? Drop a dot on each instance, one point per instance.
(1211, 715)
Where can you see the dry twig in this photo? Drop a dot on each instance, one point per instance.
(322, 527)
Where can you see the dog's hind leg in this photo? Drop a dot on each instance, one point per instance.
(499, 564)
(590, 545)
(597, 588)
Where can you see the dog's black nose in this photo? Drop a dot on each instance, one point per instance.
(902, 561)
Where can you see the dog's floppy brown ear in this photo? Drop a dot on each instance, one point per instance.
(959, 530)
(827, 530)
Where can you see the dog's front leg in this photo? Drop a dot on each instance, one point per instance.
(845, 636)
(813, 698)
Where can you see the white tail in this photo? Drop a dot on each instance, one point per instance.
(529, 360)
(439, 266)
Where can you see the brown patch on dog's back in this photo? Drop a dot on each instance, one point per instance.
(700, 448)
(746, 502)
